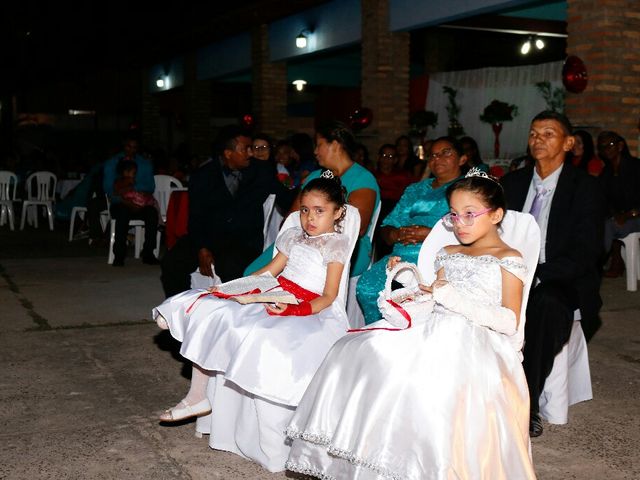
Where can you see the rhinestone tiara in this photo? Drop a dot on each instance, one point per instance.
(476, 172)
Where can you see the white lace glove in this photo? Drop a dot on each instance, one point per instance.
(497, 318)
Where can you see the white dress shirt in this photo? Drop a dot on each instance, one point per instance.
(549, 184)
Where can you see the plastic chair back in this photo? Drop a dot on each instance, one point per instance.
(164, 185)
(518, 230)
(350, 227)
(8, 185)
(41, 186)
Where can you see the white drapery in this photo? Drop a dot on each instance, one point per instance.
(478, 88)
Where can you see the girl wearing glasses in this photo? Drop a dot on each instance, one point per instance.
(405, 228)
(446, 398)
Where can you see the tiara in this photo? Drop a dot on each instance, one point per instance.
(476, 172)
(327, 174)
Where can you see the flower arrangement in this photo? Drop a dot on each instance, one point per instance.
(554, 97)
(498, 112)
(453, 110)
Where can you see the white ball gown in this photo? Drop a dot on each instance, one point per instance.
(445, 399)
(262, 363)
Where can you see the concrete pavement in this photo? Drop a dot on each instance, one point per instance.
(85, 374)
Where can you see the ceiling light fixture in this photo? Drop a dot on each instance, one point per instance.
(160, 82)
(532, 40)
(302, 40)
(299, 84)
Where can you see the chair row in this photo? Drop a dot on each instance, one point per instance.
(40, 188)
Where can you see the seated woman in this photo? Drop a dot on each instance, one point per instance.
(583, 155)
(406, 227)
(444, 399)
(263, 358)
(335, 147)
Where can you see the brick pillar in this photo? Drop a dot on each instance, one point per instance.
(150, 122)
(385, 76)
(605, 35)
(197, 94)
(269, 89)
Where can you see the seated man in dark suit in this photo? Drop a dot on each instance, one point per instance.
(226, 195)
(568, 206)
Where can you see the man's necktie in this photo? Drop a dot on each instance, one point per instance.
(536, 206)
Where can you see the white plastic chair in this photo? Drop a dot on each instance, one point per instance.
(138, 229)
(165, 184)
(41, 190)
(272, 220)
(632, 260)
(518, 230)
(268, 420)
(8, 187)
(570, 379)
(354, 312)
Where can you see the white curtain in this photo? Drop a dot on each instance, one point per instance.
(478, 88)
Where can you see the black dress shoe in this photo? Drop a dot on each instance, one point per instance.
(150, 260)
(118, 262)
(535, 425)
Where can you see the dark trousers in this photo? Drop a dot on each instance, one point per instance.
(95, 205)
(122, 215)
(549, 321)
(230, 258)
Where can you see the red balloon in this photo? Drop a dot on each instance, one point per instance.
(360, 118)
(247, 120)
(574, 74)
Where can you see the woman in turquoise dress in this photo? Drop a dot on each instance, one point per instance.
(335, 146)
(409, 223)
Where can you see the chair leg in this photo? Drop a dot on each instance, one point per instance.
(112, 240)
(10, 215)
(631, 261)
(156, 250)
(25, 207)
(139, 239)
(73, 221)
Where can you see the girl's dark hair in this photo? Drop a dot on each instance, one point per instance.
(342, 134)
(124, 165)
(331, 187)
(489, 189)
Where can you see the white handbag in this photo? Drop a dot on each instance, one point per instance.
(403, 306)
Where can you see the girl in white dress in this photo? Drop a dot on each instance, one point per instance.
(269, 352)
(445, 399)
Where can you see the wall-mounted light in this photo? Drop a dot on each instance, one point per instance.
(530, 42)
(160, 82)
(302, 40)
(299, 84)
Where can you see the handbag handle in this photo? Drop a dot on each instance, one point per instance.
(393, 273)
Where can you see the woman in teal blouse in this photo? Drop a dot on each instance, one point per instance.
(409, 223)
(335, 145)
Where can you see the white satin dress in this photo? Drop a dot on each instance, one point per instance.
(445, 399)
(267, 361)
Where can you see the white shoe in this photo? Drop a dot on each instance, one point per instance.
(162, 323)
(183, 410)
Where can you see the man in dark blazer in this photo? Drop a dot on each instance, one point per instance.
(226, 195)
(569, 208)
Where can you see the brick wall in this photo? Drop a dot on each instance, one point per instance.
(198, 107)
(385, 76)
(269, 87)
(605, 34)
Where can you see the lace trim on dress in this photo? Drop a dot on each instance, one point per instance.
(325, 440)
(307, 470)
(514, 265)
